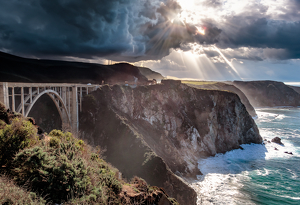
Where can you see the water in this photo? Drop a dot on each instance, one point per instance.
(259, 174)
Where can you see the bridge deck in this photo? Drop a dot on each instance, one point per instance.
(67, 97)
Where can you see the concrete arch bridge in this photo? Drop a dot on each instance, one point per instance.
(21, 97)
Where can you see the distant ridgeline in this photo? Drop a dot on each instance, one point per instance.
(269, 93)
(17, 69)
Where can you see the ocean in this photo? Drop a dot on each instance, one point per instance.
(259, 174)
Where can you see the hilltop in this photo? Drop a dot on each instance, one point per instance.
(18, 69)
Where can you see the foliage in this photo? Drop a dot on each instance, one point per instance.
(12, 194)
(14, 137)
(198, 82)
(58, 172)
(66, 169)
(62, 169)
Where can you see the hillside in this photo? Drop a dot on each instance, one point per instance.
(268, 93)
(296, 88)
(223, 86)
(60, 169)
(17, 69)
(150, 74)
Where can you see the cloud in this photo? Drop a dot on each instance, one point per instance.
(134, 30)
(273, 28)
(128, 30)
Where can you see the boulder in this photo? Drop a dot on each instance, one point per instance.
(277, 140)
(291, 153)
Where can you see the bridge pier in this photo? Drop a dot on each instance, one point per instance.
(67, 98)
(74, 109)
(4, 94)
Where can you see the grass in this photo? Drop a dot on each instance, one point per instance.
(10, 193)
(198, 82)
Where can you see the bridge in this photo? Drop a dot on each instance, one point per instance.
(21, 97)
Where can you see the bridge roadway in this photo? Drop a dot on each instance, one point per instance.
(21, 97)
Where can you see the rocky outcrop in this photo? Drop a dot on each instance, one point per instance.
(232, 88)
(277, 140)
(268, 93)
(155, 131)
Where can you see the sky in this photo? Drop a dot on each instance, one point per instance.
(196, 39)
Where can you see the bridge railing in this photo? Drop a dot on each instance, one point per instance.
(20, 97)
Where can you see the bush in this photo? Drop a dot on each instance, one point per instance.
(14, 137)
(12, 194)
(57, 133)
(57, 172)
(63, 171)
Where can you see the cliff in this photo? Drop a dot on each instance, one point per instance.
(296, 88)
(17, 69)
(58, 168)
(150, 74)
(268, 93)
(155, 131)
(228, 87)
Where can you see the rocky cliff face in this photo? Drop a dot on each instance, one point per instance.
(232, 88)
(155, 131)
(150, 74)
(296, 88)
(268, 93)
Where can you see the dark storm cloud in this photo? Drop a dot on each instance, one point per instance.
(262, 33)
(258, 27)
(116, 29)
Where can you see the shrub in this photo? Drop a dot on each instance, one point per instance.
(54, 142)
(57, 172)
(12, 194)
(141, 184)
(57, 133)
(14, 137)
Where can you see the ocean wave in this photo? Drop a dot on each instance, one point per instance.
(259, 174)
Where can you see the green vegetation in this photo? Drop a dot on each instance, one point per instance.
(198, 82)
(12, 194)
(58, 169)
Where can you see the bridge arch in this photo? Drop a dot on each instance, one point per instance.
(67, 98)
(56, 98)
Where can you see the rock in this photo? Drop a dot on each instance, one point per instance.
(169, 82)
(277, 140)
(229, 87)
(289, 153)
(275, 148)
(156, 131)
(268, 93)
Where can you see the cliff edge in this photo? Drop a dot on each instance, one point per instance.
(225, 86)
(155, 131)
(268, 93)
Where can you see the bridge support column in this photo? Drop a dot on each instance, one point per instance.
(4, 98)
(74, 110)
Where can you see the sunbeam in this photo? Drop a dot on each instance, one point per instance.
(227, 61)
